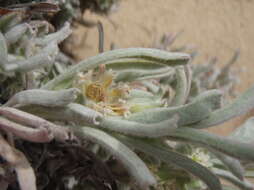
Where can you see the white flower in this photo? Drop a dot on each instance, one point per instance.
(202, 157)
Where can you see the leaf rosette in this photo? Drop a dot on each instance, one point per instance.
(138, 98)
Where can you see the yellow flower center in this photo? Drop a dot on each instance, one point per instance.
(96, 92)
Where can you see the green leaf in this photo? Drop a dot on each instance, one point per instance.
(181, 87)
(135, 74)
(136, 93)
(132, 163)
(198, 109)
(134, 63)
(240, 105)
(3, 51)
(76, 113)
(244, 185)
(231, 164)
(16, 32)
(55, 37)
(227, 187)
(160, 56)
(155, 130)
(189, 77)
(43, 97)
(44, 58)
(234, 148)
(245, 132)
(171, 157)
(154, 88)
(249, 174)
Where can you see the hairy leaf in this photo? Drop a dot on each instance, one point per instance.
(232, 164)
(43, 97)
(171, 157)
(142, 53)
(245, 132)
(240, 105)
(234, 148)
(244, 185)
(198, 109)
(154, 130)
(135, 166)
(181, 87)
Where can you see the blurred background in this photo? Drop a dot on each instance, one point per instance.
(216, 28)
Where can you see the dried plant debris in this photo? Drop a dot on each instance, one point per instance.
(67, 166)
(99, 6)
(61, 10)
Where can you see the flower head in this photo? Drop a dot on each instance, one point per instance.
(202, 157)
(103, 94)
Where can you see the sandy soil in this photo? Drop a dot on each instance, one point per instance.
(215, 27)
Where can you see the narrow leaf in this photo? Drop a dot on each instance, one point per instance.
(244, 185)
(134, 63)
(249, 174)
(72, 112)
(44, 58)
(240, 105)
(132, 163)
(181, 87)
(3, 51)
(155, 130)
(245, 132)
(171, 157)
(198, 109)
(234, 148)
(189, 77)
(16, 32)
(55, 37)
(135, 74)
(232, 164)
(43, 97)
(227, 187)
(160, 56)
